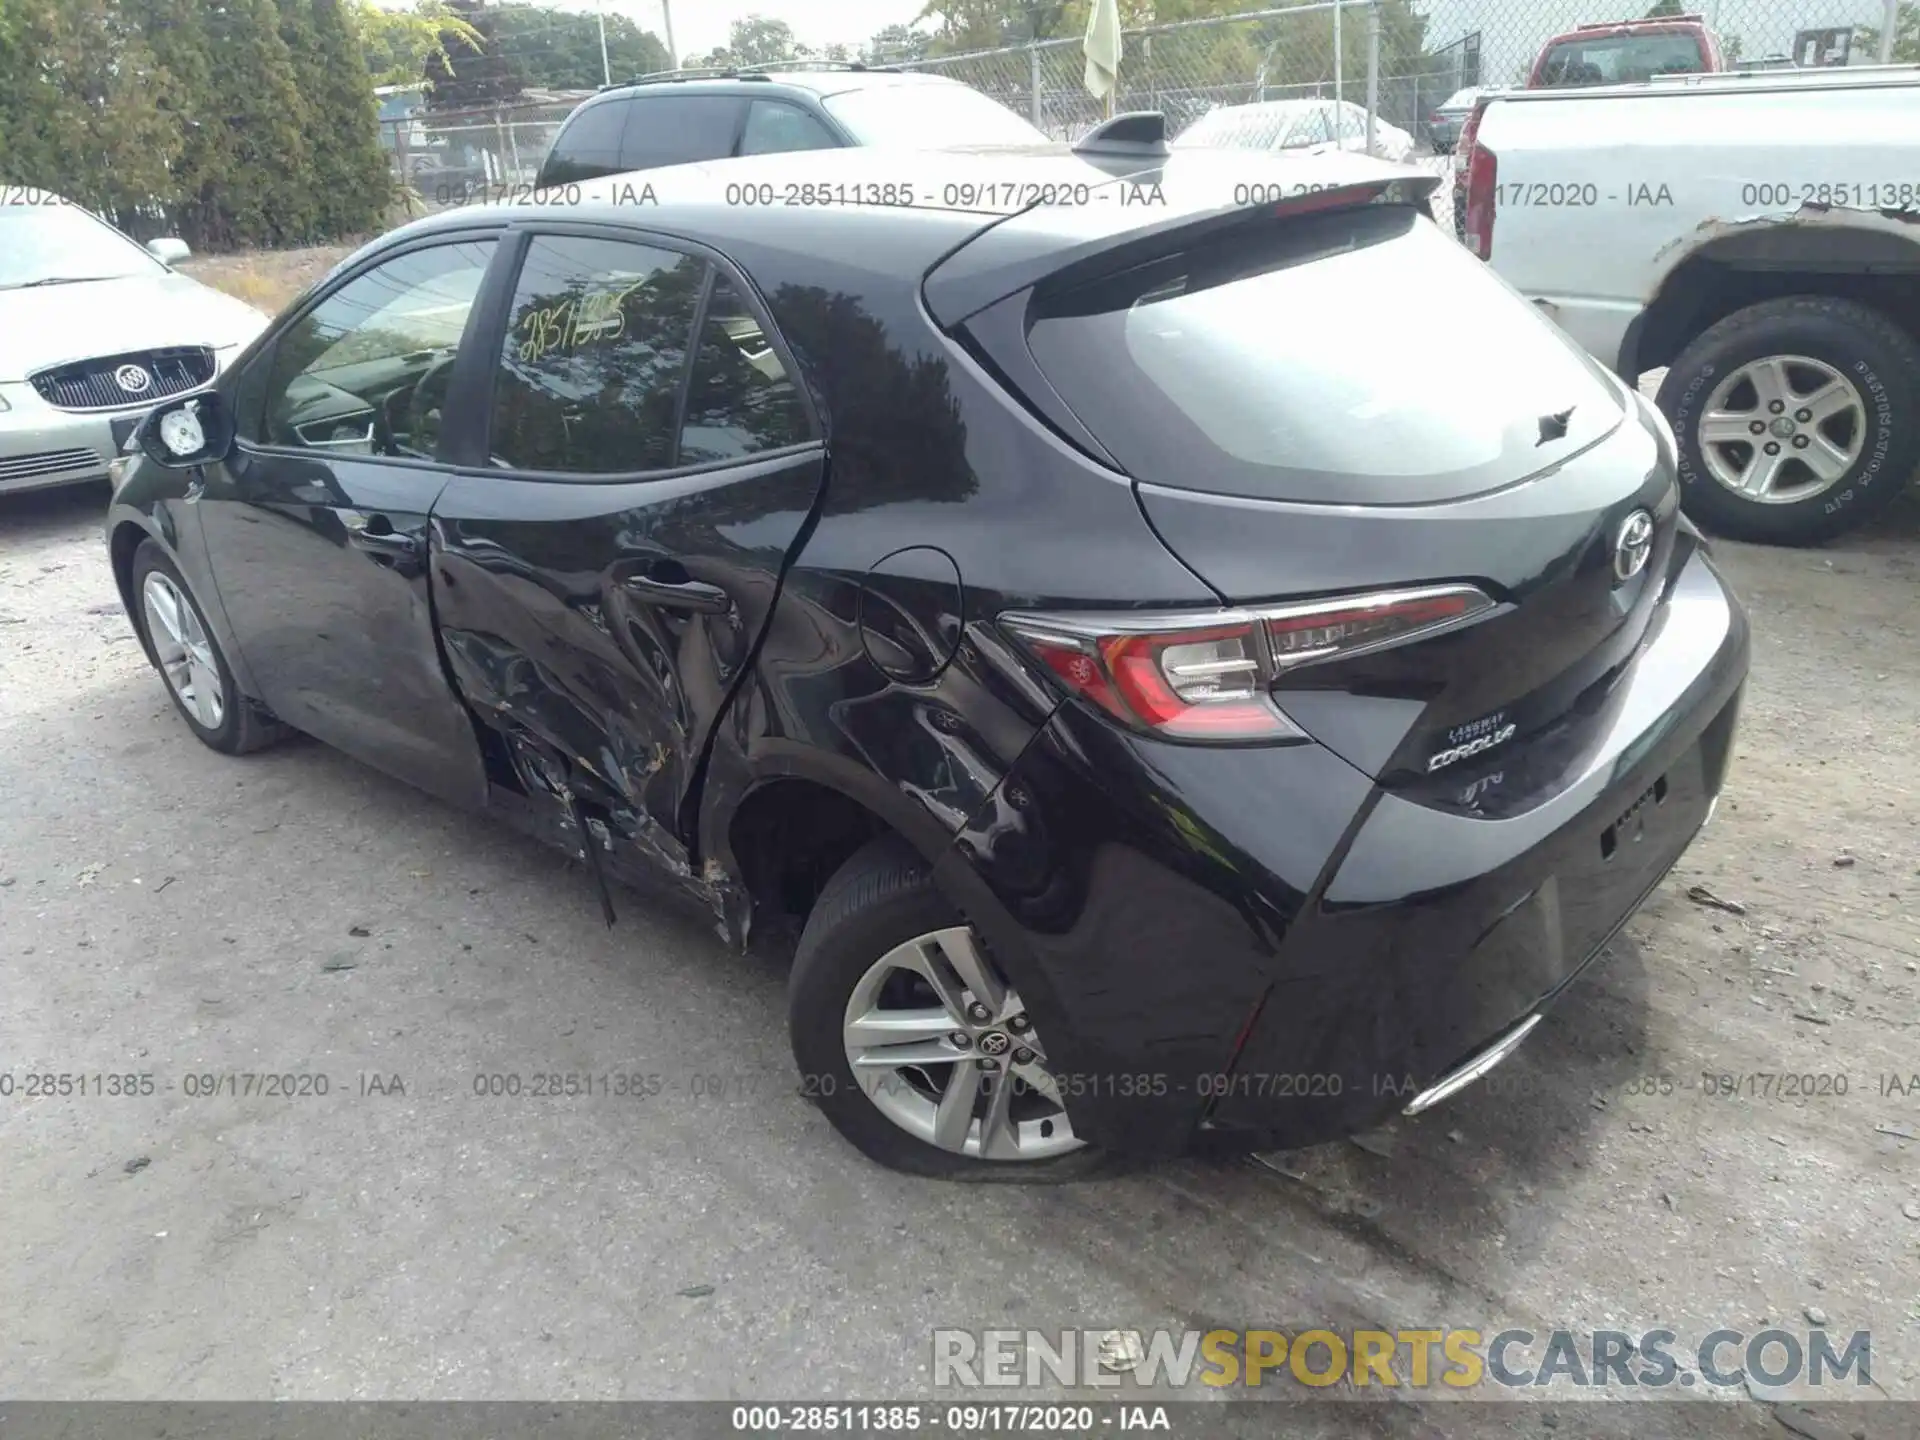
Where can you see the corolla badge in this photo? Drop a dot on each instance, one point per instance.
(133, 379)
(1475, 738)
(1632, 544)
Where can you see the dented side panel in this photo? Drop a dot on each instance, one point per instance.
(1602, 194)
(562, 639)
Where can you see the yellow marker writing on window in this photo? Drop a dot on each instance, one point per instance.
(577, 321)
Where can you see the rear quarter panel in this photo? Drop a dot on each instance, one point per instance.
(1602, 194)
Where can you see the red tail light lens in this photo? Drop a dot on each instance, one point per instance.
(1483, 179)
(1208, 675)
(1202, 682)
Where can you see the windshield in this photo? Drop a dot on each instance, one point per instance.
(1621, 59)
(58, 241)
(1277, 125)
(929, 117)
(1297, 363)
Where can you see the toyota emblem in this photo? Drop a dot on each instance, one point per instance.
(1632, 544)
(994, 1043)
(133, 379)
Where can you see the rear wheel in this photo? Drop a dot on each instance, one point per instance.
(1796, 419)
(190, 661)
(911, 1039)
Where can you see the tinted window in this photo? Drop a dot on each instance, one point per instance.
(589, 145)
(596, 349)
(1297, 364)
(366, 370)
(772, 128)
(676, 129)
(741, 400)
(1621, 59)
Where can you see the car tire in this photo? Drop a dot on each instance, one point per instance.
(184, 639)
(1812, 340)
(880, 900)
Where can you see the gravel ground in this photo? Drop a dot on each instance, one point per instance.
(169, 911)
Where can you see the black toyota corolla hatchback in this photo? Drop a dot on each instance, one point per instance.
(1054, 584)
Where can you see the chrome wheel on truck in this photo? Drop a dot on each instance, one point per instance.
(1782, 429)
(1795, 419)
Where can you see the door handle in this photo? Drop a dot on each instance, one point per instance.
(695, 595)
(392, 545)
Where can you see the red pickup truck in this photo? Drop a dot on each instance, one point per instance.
(1607, 52)
(1624, 52)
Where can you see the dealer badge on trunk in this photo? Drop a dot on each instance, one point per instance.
(1474, 738)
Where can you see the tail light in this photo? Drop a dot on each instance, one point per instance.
(1482, 181)
(1208, 675)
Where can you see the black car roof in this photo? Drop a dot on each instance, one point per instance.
(908, 212)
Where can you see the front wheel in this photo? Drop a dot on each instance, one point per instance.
(188, 657)
(1796, 419)
(913, 1042)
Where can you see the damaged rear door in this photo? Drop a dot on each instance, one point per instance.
(605, 562)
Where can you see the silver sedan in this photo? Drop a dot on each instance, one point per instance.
(94, 331)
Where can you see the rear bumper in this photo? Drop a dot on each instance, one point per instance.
(1260, 946)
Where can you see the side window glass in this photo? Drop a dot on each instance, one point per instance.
(678, 129)
(589, 146)
(741, 400)
(595, 352)
(366, 371)
(773, 128)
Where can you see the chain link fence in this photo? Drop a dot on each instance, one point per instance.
(1184, 69)
(1401, 59)
(442, 157)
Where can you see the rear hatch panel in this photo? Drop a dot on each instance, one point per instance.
(1270, 388)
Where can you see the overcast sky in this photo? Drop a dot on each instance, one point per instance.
(701, 25)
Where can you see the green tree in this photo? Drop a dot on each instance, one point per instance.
(399, 43)
(469, 74)
(1906, 36)
(80, 109)
(178, 34)
(350, 170)
(1663, 8)
(895, 45)
(265, 197)
(754, 40)
(560, 49)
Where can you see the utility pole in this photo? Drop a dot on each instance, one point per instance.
(666, 18)
(1889, 23)
(606, 70)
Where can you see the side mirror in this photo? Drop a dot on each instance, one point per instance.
(188, 432)
(169, 251)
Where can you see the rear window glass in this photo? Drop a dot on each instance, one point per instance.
(673, 130)
(1621, 59)
(1354, 356)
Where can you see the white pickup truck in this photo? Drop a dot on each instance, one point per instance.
(1756, 234)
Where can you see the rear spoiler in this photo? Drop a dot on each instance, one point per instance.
(1158, 208)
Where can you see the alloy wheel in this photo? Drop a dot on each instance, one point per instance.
(1782, 429)
(942, 1046)
(181, 646)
